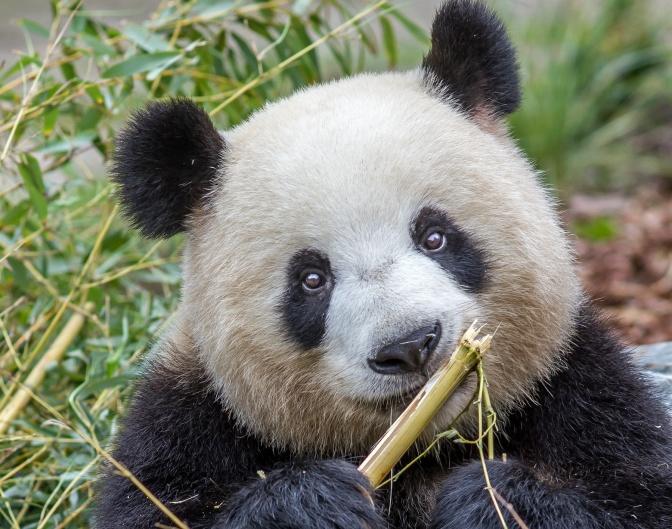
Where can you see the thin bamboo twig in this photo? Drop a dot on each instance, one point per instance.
(18, 301)
(417, 416)
(23, 241)
(490, 417)
(511, 509)
(53, 354)
(74, 514)
(44, 518)
(48, 65)
(91, 440)
(29, 95)
(21, 466)
(41, 320)
(12, 354)
(479, 445)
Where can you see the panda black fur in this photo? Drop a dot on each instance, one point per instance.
(255, 409)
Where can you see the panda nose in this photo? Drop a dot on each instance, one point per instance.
(409, 354)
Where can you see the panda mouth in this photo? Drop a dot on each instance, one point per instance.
(404, 398)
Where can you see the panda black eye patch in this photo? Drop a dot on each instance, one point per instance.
(307, 296)
(439, 238)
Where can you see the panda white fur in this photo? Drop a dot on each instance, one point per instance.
(338, 244)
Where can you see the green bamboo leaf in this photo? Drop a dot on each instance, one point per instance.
(410, 26)
(246, 52)
(31, 174)
(145, 38)
(97, 45)
(389, 42)
(21, 65)
(90, 119)
(95, 94)
(365, 33)
(16, 213)
(305, 40)
(95, 385)
(142, 63)
(20, 274)
(69, 72)
(35, 170)
(34, 28)
(212, 8)
(64, 145)
(50, 117)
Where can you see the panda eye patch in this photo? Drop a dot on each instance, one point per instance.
(312, 281)
(439, 238)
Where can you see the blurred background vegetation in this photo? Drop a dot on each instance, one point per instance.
(596, 119)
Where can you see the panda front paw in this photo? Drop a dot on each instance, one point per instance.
(464, 501)
(316, 495)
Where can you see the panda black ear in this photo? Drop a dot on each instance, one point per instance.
(472, 59)
(165, 161)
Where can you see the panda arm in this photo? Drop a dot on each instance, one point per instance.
(186, 449)
(593, 452)
(179, 442)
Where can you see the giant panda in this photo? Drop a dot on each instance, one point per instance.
(338, 243)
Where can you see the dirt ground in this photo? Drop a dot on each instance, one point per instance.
(626, 259)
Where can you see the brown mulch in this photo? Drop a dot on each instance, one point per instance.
(630, 274)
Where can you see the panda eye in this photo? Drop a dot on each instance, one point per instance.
(434, 240)
(312, 281)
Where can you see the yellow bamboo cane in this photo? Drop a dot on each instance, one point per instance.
(419, 413)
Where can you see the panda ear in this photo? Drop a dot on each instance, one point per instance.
(472, 60)
(166, 159)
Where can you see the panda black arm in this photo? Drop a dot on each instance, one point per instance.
(182, 445)
(593, 452)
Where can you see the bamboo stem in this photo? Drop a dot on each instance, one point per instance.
(415, 418)
(53, 354)
(490, 417)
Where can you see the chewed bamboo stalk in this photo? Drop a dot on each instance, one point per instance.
(419, 413)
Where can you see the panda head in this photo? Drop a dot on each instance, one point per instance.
(341, 240)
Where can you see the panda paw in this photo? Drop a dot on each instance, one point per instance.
(465, 503)
(315, 495)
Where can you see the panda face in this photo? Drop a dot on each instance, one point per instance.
(372, 288)
(341, 240)
(349, 217)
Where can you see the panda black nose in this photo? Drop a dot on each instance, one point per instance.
(409, 354)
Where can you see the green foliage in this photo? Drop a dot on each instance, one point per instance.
(597, 229)
(62, 244)
(597, 95)
(598, 88)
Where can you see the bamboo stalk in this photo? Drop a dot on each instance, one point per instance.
(419, 413)
(53, 354)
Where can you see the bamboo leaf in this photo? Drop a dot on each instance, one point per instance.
(212, 8)
(21, 65)
(416, 31)
(97, 45)
(31, 174)
(142, 63)
(50, 117)
(389, 42)
(64, 145)
(34, 28)
(148, 40)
